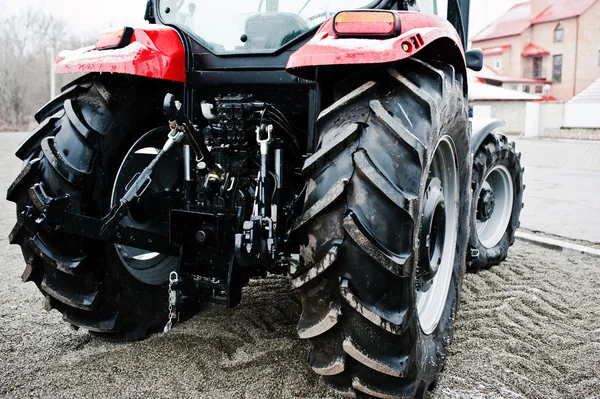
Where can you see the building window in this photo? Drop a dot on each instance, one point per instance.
(497, 63)
(559, 33)
(557, 61)
(537, 67)
(526, 88)
(539, 89)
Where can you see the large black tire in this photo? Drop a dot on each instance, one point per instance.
(368, 186)
(76, 150)
(490, 246)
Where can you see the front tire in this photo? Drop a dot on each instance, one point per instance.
(386, 221)
(497, 184)
(82, 139)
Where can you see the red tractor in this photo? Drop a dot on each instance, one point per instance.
(326, 140)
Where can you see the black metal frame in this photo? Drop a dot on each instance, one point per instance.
(211, 76)
(53, 214)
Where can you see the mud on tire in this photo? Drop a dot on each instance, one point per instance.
(363, 257)
(82, 137)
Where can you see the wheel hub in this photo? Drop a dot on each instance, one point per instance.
(437, 239)
(432, 234)
(494, 207)
(486, 205)
(150, 212)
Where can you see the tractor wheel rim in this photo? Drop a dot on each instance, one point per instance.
(491, 231)
(432, 301)
(146, 266)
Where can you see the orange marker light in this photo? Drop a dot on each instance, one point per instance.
(366, 23)
(113, 39)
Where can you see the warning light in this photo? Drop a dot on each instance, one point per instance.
(366, 23)
(113, 39)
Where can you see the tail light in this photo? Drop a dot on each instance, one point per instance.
(366, 23)
(113, 39)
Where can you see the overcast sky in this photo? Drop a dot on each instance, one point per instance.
(88, 16)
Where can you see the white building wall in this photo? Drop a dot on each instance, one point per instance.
(532, 119)
(551, 115)
(582, 115)
(512, 112)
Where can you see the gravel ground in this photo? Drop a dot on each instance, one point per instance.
(529, 328)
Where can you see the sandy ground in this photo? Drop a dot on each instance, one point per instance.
(529, 328)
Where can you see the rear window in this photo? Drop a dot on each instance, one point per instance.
(251, 26)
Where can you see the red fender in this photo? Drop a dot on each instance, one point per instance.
(418, 31)
(154, 52)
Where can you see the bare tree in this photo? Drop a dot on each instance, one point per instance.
(25, 65)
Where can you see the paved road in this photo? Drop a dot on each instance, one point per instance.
(563, 188)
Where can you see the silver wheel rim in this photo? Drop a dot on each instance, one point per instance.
(430, 304)
(490, 232)
(146, 266)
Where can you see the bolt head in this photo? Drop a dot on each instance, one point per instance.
(201, 237)
(425, 284)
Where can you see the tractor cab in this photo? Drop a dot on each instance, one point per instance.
(250, 27)
(266, 26)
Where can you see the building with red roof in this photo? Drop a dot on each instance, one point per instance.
(538, 43)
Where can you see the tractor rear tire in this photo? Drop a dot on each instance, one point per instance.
(497, 183)
(387, 202)
(82, 138)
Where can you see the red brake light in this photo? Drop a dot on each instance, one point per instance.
(113, 39)
(367, 23)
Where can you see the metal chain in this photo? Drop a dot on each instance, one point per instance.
(173, 278)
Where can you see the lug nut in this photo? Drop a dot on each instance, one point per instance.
(201, 237)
